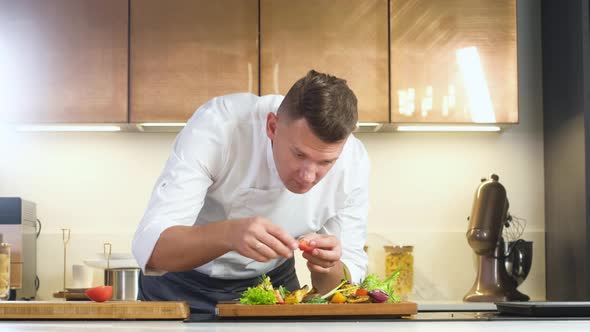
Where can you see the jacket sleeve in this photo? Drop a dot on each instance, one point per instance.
(179, 193)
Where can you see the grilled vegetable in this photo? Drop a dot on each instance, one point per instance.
(358, 299)
(348, 289)
(296, 296)
(338, 298)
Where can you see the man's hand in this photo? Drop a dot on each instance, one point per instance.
(260, 239)
(325, 254)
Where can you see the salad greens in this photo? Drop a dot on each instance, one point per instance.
(373, 282)
(371, 289)
(263, 293)
(258, 295)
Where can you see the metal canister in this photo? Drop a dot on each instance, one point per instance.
(125, 282)
(400, 259)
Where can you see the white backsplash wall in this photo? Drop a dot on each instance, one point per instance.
(422, 187)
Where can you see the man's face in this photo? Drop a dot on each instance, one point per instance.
(301, 158)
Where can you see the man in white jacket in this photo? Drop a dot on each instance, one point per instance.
(248, 176)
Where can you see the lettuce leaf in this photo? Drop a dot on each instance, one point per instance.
(258, 295)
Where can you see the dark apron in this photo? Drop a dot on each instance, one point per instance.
(202, 292)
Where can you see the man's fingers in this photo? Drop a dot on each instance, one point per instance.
(276, 246)
(325, 242)
(261, 252)
(316, 268)
(319, 261)
(321, 254)
(282, 235)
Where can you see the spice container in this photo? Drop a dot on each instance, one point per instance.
(4, 271)
(400, 258)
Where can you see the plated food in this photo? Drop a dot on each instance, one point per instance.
(371, 290)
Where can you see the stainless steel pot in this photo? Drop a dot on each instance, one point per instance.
(125, 282)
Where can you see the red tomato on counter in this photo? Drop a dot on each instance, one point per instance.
(305, 246)
(100, 293)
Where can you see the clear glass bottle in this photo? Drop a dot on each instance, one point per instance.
(400, 258)
(4, 271)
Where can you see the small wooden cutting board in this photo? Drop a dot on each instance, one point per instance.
(314, 310)
(113, 310)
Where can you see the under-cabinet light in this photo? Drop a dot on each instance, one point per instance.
(449, 128)
(367, 124)
(68, 128)
(163, 124)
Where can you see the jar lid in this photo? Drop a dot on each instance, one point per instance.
(398, 249)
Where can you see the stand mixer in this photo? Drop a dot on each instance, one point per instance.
(499, 271)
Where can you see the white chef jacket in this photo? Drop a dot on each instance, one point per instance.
(221, 167)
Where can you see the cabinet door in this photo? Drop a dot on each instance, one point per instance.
(63, 61)
(453, 61)
(185, 52)
(346, 38)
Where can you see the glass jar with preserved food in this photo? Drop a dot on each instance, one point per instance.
(400, 258)
(4, 271)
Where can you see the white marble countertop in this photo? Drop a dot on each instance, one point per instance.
(352, 326)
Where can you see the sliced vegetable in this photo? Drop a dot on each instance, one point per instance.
(279, 297)
(379, 295)
(338, 298)
(100, 293)
(358, 299)
(283, 291)
(328, 294)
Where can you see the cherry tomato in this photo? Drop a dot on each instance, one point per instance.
(100, 293)
(304, 246)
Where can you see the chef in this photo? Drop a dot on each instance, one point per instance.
(246, 178)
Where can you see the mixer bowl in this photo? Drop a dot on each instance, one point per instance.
(519, 260)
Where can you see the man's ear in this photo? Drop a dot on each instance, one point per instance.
(272, 122)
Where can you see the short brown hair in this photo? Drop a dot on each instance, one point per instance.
(328, 105)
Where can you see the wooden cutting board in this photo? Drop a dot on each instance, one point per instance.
(112, 310)
(314, 310)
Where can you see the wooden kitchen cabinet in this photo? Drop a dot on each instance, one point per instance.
(453, 61)
(185, 52)
(63, 61)
(346, 38)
